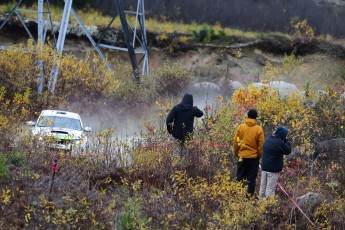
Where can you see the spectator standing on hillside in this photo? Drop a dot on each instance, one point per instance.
(247, 144)
(275, 147)
(180, 122)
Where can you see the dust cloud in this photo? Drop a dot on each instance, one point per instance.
(106, 118)
(102, 117)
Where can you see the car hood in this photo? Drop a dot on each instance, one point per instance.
(60, 133)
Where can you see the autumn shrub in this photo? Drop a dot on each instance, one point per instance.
(86, 80)
(17, 158)
(331, 213)
(220, 122)
(273, 110)
(151, 166)
(217, 202)
(171, 79)
(13, 112)
(132, 215)
(155, 164)
(132, 92)
(78, 79)
(330, 105)
(41, 200)
(20, 69)
(44, 213)
(208, 34)
(274, 72)
(3, 169)
(300, 29)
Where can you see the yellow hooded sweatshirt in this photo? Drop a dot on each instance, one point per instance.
(249, 140)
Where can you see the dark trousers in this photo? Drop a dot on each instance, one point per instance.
(247, 170)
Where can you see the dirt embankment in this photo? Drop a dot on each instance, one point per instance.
(243, 61)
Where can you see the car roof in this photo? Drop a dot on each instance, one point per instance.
(60, 113)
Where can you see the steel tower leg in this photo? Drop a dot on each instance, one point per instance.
(40, 41)
(61, 40)
(134, 42)
(10, 14)
(125, 30)
(145, 69)
(60, 43)
(15, 10)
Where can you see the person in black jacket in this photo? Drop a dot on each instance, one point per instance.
(275, 147)
(180, 120)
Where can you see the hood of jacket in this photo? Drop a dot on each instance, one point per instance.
(187, 102)
(281, 132)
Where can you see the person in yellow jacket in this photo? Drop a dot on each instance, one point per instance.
(248, 143)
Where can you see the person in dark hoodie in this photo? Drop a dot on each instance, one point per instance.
(275, 147)
(180, 120)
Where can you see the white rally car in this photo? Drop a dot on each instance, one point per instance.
(60, 130)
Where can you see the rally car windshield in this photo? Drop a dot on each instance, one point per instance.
(60, 122)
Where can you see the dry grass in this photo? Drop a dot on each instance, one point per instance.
(93, 17)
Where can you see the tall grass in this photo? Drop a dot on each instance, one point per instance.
(93, 17)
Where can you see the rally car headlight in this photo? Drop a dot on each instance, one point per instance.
(78, 142)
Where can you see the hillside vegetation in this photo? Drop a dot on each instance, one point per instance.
(136, 183)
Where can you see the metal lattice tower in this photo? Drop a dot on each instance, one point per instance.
(136, 42)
